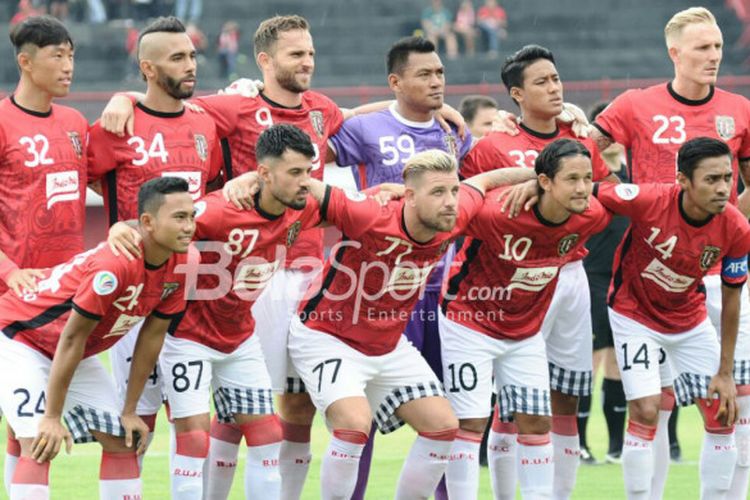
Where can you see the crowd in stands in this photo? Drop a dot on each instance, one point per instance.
(490, 21)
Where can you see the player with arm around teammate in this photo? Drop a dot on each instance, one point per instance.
(82, 307)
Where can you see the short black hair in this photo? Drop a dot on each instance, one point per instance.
(471, 104)
(597, 109)
(514, 66)
(162, 25)
(549, 160)
(696, 150)
(152, 193)
(276, 139)
(40, 31)
(398, 55)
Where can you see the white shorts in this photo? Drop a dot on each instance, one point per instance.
(119, 357)
(646, 358)
(331, 370)
(742, 348)
(273, 312)
(90, 405)
(239, 381)
(567, 332)
(471, 358)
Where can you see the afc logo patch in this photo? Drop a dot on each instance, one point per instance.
(292, 233)
(316, 120)
(708, 257)
(725, 127)
(169, 289)
(201, 146)
(566, 244)
(75, 140)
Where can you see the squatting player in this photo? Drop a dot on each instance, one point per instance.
(43, 160)
(502, 284)
(678, 233)
(532, 80)
(80, 308)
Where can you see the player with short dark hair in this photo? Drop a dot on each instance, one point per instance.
(501, 285)
(652, 124)
(168, 140)
(51, 337)
(658, 312)
(479, 112)
(43, 160)
(532, 80)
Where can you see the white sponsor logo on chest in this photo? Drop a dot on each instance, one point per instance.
(62, 186)
(254, 276)
(532, 279)
(663, 276)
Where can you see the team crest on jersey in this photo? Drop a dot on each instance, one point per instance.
(75, 140)
(725, 127)
(201, 146)
(450, 144)
(316, 120)
(566, 244)
(292, 233)
(168, 289)
(709, 256)
(105, 282)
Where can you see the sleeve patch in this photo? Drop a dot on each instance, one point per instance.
(104, 283)
(627, 192)
(734, 268)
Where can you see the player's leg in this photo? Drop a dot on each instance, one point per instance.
(638, 352)
(92, 412)
(502, 448)
(467, 363)
(614, 405)
(523, 391)
(567, 332)
(335, 376)
(188, 370)
(695, 357)
(273, 312)
(221, 463)
(12, 454)
(407, 390)
(661, 440)
(23, 380)
(244, 396)
(151, 400)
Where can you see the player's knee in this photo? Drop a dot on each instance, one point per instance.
(563, 404)
(262, 430)
(710, 408)
(439, 422)
(110, 443)
(192, 443)
(477, 425)
(645, 410)
(533, 424)
(296, 408)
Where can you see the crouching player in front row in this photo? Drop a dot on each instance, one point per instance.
(50, 338)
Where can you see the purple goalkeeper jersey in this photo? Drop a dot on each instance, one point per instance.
(377, 145)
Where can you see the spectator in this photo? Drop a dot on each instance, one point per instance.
(492, 20)
(437, 24)
(25, 9)
(197, 37)
(465, 25)
(59, 9)
(181, 10)
(479, 112)
(97, 12)
(131, 46)
(229, 46)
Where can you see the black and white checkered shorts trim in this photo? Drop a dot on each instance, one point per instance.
(690, 386)
(229, 401)
(385, 416)
(294, 385)
(570, 382)
(81, 421)
(526, 400)
(742, 371)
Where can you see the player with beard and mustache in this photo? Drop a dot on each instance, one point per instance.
(168, 140)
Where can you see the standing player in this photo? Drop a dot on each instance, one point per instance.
(347, 343)
(168, 140)
(653, 123)
(381, 143)
(678, 233)
(43, 166)
(82, 307)
(531, 78)
(501, 286)
(479, 112)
